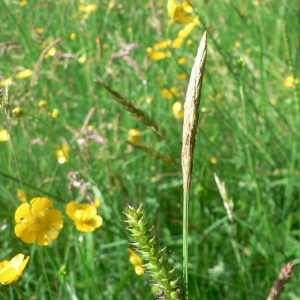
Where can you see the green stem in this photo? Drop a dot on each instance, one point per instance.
(186, 199)
(45, 273)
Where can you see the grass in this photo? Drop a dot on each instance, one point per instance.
(248, 135)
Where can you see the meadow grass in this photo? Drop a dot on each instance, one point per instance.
(248, 135)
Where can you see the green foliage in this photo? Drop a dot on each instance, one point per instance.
(248, 135)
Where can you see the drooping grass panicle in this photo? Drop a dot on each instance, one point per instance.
(158, 155)
(165, 283)
(279, 284)
(190, 124)
(138, 113)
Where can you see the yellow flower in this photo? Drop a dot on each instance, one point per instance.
(136, 260)
(23, 3)
(182, 60)
(162, 45)
(21, 195)
(51, 52)
(6, 81)
(40, 30)
(84, 215)
(24, 74)
(290, 81)
(62, 153)
(37, 222)
(55, 113)
(181, 76)
(149, 100)
(112, 5)
(18, 112)
(237, 44)
(4, 135)
(43, 103)
(213, 160)
(88, 8)
(170, 93)
(10, 271)
(82, 59)
(180, 12)
(177, 110)
(73, 36)
(186, 31)
(134, 136)
(157, 55)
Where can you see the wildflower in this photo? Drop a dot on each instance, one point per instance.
(134, 136)
(170, 93)
(24, 74)
(213, 160)
(157, 55)
(51, 52)
(84, 215)
(82, 59)
(18, 112)
(21, 195)
(180, 12)
(6, 81)
(290, 81)
(154, 52)
(88, 8)
(136, 260)
(73, 36)
(112, 5)
(149, 100)
(182, 60)
(55, 113)
(4, 135)
(62, 153)
(177, 110)
(43, 103)
(186, 31)
(181, 76)
(40, 30)
(237, 44)
(23, 3)
(37, 222)
(11, 270)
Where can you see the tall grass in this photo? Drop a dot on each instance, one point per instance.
(248, 135)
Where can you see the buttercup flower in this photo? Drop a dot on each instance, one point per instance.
(134, 136)
(177, 110)
(55, 113)
(43, 103)
(179, 12)
(10, 271)
(18, 112)
(84, 215)
(24, 74)
(6, 81)
(37, 222)
(51, 52)
(4, 136)
(136, 260)
(170, 93)
(290, 81)
(62, 153)
(73, 36)
(213, 160)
